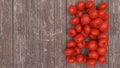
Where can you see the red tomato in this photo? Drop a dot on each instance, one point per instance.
(87, 29)
(93, 55)
(69, 51)
(71, 44)
(77, 50)
(78, 28)
(102, 59)
(79, 58)
(84, 59)
(94, 32)
(80, 5)
(84, 34)
(72, 32)
(105, 17)
(103, 36)
(91, 62)
(81, 44)
(89, 4)
(90, 10)
(101, 13)
(102, 51)
(72, 9)
(79, 13)
(102, 42)
(70, 59)
(92, 36)
(74, 21)
(79, 38)
(103, 6)
(93, 14)
(96, 23)
(91, 45)
(104, 27)
(85, 19)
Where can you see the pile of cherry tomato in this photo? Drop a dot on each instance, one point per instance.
(91, 23)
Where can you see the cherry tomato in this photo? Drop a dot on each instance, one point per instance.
(85, 19)
(84, 34)
(78, 28)
(80, 5)
(105, 17)
(79, 13)
(79, 58)
(103, 36)
(71, 43)
(72, 9)
(81, 44)
(74, 21)
(104, 27)
(69, 51)
(90, 10)
(93, 55)
(103, 6)
(89, 4)
(102, 59)
(91, 62)
(72, 32)
(92, 36)
(84, 59)
(94, 32)
(96, 23)
(101, 13)
(87, 29)
(91, 45)
(77, 50)
(102, 51)
(79, 38)
(70, 59)
(93, 14)
(102, 42)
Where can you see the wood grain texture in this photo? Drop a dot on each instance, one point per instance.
(6, 53)
(33, 34)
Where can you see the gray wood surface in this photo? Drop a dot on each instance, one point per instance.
(33, 34)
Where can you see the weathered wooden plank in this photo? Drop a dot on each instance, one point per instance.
(60, 33)
(114, 37)
(47, 34)
(32, 60)
(6, 59)
(20, 22)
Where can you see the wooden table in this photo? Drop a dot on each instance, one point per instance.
(33, 34)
